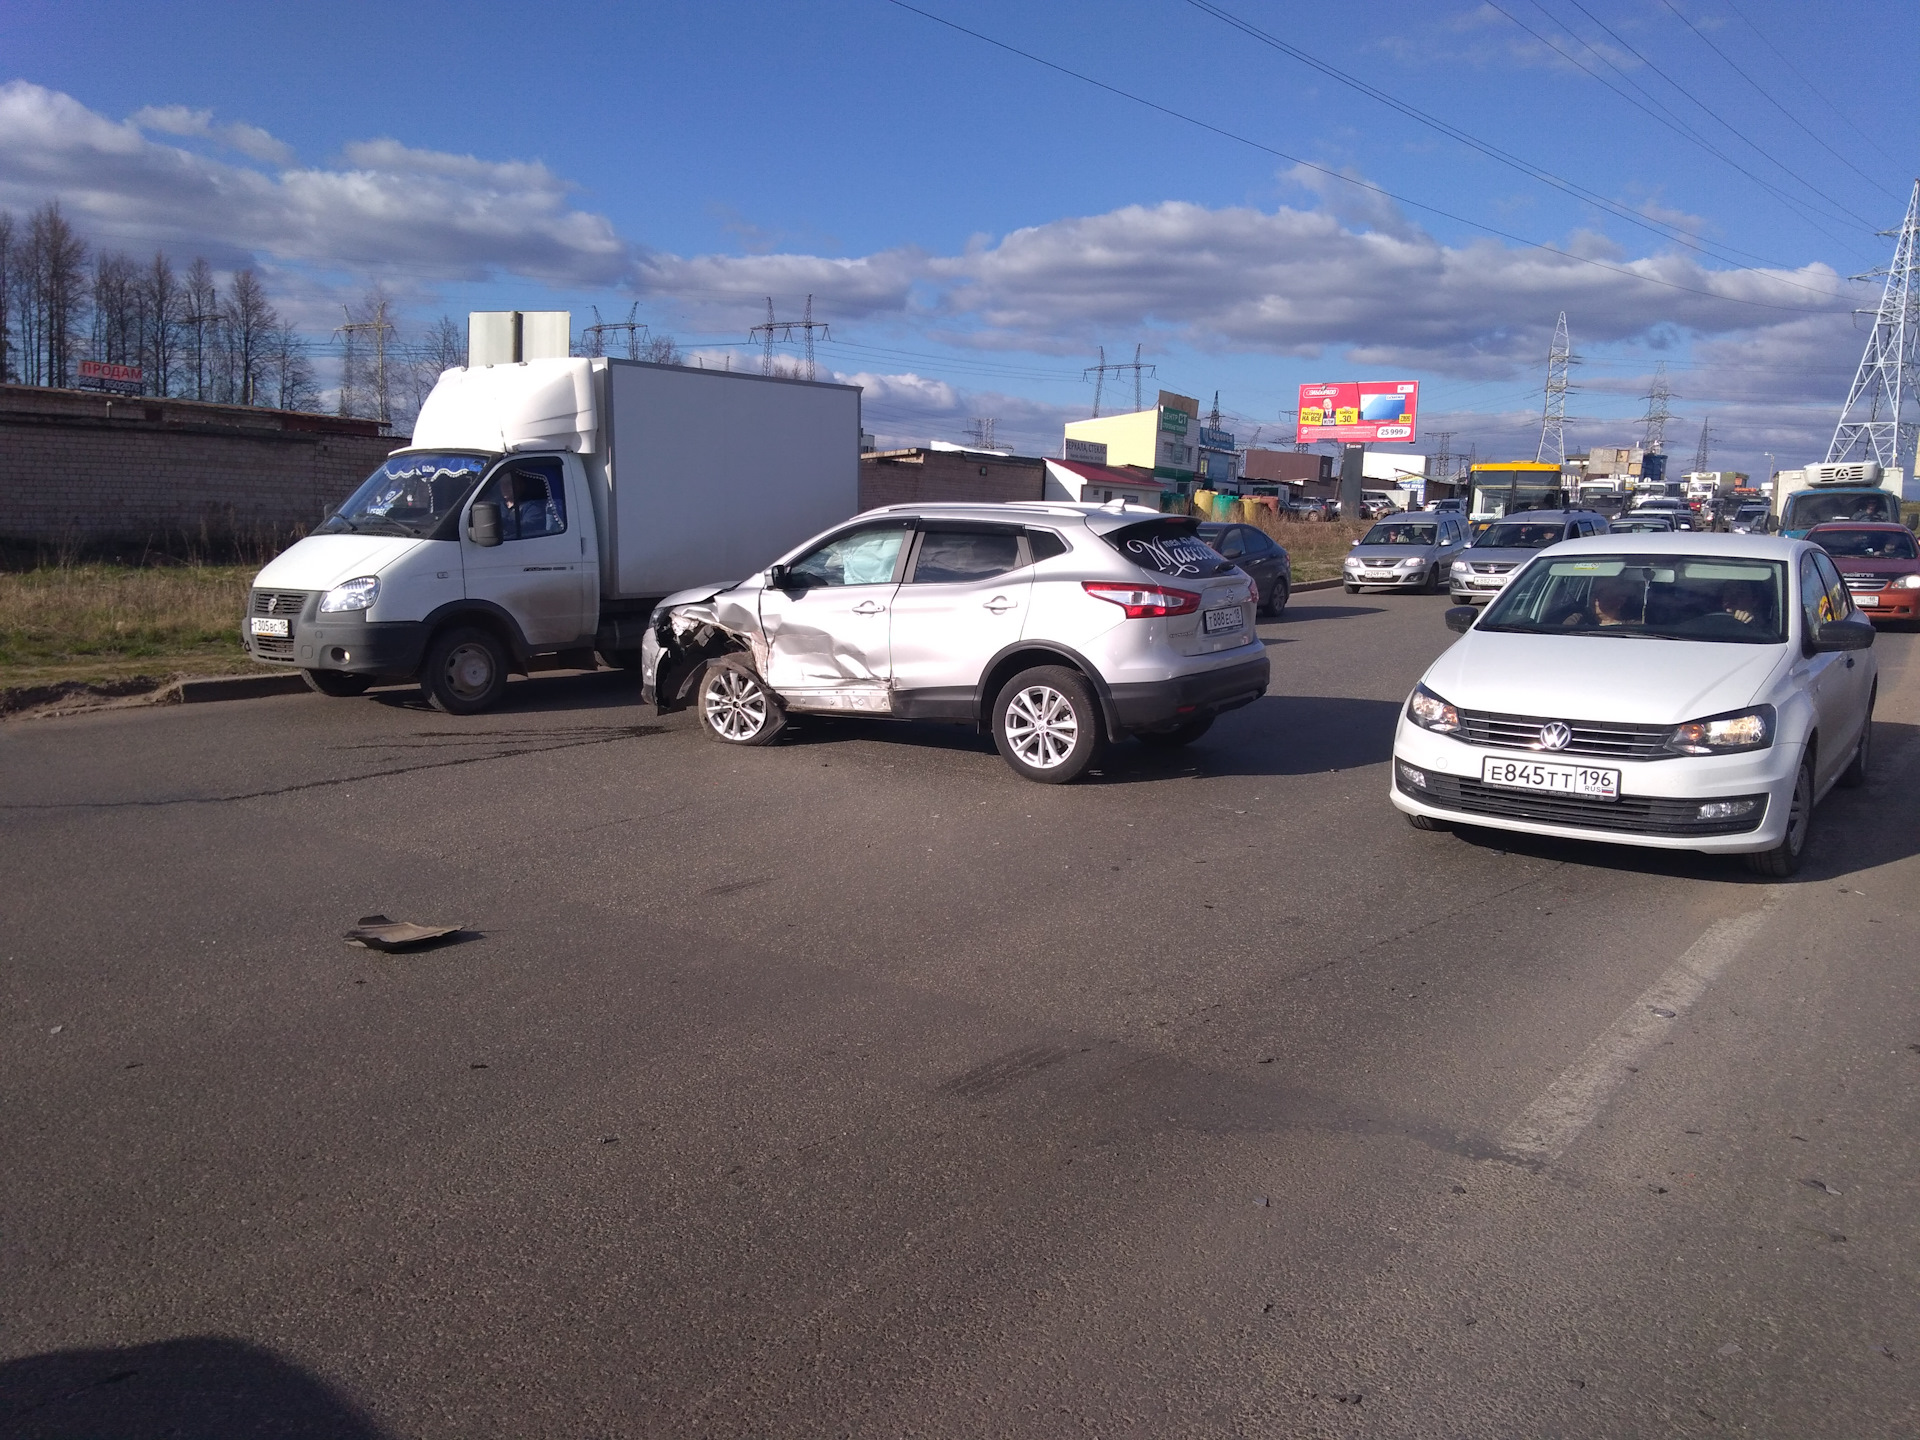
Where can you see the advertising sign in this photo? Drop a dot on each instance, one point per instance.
(97, 374)
(1358, 411)
(1087, 452)
(1174, 422)
(1211, 439)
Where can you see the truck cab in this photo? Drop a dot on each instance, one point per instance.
(1822, 494)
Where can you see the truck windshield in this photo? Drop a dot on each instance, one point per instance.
(408, 495)
(1807, 508)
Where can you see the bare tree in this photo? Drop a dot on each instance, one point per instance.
(662, 350)
(54, 262)
(202, 302)
(291, 370)
(247, 324)
(165, 303)
(368, 366)
(9, 284)
(443, 347)
(118, 308)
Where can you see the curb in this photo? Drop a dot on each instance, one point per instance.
(229, 687)
(1305, 585)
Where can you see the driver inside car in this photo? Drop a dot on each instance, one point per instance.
(1612, 600)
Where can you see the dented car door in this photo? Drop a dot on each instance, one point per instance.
(826, 624)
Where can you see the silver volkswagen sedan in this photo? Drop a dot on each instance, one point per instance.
(1407, 552)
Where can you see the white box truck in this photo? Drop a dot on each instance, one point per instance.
(541, 510)
(1846, 490)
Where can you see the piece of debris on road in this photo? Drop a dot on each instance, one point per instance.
(377, 932)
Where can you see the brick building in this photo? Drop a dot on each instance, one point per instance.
(77, 466)
(924, 475)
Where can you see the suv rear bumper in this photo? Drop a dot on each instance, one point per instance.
(1162, 704)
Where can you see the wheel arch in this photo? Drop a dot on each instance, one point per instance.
(1024, 655)
(486, 615)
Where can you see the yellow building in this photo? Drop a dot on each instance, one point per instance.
(1163, 440)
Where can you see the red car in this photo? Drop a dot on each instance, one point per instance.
(1881, 565)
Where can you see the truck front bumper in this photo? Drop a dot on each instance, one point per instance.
(387, 649)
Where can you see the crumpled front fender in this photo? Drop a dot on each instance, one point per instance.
(687, 630)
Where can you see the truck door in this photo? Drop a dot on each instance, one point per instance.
(826, 627)
(535, 572)
(963, 601)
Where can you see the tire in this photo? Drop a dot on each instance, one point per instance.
(1353, 589)
(622, 659)
(1436, 582)
(1855, 775)
(337, 683)
(1277, 598)
(1784, 859)
(465, 671)
(735, 705)
(1427, 822)
(1047, 724)
(1174, 739)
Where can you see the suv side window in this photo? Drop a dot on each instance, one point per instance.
(1044, 545)
(869, 556)
(959, 554)
(532, 499)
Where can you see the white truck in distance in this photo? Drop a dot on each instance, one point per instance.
(541, 510)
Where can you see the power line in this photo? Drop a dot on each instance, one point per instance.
(1103, 369)
(1768, 96)
(1473, 142)
(1811, 89)
(784, 329)
(1366, 185)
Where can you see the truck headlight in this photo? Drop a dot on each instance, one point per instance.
(1430, 712)
(1727, 734)
(356, 594)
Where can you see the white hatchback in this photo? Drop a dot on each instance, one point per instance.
(1685, 691)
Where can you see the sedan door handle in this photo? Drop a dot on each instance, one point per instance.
(868, 607)
(999, 605)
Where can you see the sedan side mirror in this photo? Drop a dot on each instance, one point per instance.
(1460, 618)
(777, 576)
(483, 522)
(1844, 635)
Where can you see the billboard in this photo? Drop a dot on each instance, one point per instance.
(1358, 411)
(1086, 452)
(98, 375)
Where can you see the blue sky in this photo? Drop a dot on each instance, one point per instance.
(973, 224)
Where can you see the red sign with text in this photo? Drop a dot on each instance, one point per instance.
(1359, 411)
(118, 374)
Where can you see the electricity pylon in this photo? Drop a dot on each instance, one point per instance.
(1553, 414)
(1871, 424)
(1657, 412)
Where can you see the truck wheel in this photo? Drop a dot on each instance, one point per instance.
(736, 707)
(1047, 724)
(465, 672)
(336, 682)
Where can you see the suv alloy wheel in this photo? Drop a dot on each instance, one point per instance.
(1047, 724)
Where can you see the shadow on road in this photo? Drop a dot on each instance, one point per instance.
(210, 1387)
(548, 691)
(1296, 612)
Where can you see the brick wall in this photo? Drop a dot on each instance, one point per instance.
(919, 477)
(79, 467)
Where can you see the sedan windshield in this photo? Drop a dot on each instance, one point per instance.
(1522, 535)
(409, 495)
(1401, 534)
(1666, 597)
(1867, 544)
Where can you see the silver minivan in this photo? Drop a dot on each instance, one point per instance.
(1057, 628)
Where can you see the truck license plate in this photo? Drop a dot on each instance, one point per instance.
(1580, 780)
(271, 625)
(1227, 618)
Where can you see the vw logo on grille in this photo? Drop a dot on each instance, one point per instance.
(1555, 736)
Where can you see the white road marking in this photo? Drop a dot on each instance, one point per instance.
(1567, 1106)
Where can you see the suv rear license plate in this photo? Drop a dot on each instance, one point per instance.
(272, 625)
(1226, 618)
(1582, 780)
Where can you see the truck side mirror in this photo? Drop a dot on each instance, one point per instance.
(483, 522)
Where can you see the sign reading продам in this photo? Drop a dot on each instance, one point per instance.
(103, 374)
(1359, 411)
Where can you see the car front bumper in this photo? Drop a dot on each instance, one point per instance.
(1476, 588)
(1388, 579)
(1888, 604)
(1658, 804)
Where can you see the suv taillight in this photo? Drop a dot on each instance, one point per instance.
(1143, 602)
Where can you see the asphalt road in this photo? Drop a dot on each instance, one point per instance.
(857, 1087)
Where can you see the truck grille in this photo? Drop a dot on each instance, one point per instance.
(1615, 741)
(1629, 815)
(279, 602)
(289, 603)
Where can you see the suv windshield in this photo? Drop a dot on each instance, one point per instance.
(1401, 534)
(1666, 597)
(1522, 535)
(1807, 508)
(1168, 546)
(1867, 544)
(409, 495)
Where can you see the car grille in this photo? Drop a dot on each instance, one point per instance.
(1590, 737)
(1629, 815)
(277, 602)
(1494, 567)
(1860, 584)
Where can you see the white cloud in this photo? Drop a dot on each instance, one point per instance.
(249, 140)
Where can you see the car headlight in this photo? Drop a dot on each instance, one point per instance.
(1906, 582)
(1430, 712)
(1727, 734)
(1459, 567)
(1412, 562)
(355, 594)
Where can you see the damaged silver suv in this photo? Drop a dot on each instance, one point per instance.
(1059, 628)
